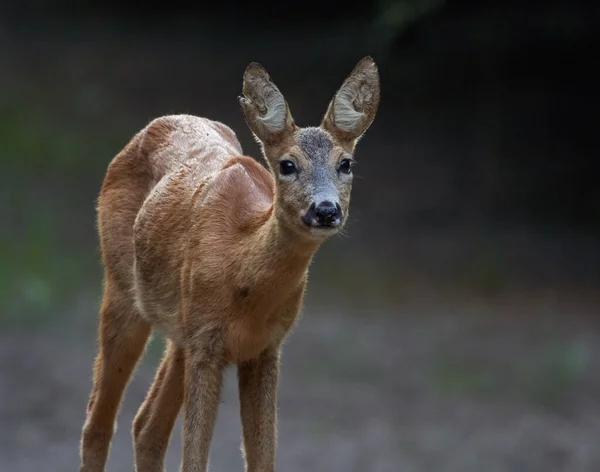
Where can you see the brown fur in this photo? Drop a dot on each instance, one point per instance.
(206, 246)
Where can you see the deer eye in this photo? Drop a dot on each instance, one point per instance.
(287, 167)
(345, 166)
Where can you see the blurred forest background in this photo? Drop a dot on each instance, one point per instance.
(455, 329)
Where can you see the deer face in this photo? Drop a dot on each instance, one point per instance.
(312, 166)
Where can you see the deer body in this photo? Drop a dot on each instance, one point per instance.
(210, 248)
(206, 243)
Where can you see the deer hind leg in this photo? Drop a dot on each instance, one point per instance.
(155, 420)
(123, 334)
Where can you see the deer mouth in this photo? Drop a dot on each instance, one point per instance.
(313, 224)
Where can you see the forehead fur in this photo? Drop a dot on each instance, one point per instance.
(315, 143)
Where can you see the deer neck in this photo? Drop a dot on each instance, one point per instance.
(281, 252)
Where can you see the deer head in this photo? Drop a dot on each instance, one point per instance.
(312, 166)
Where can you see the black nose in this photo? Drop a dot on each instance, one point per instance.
(326, 213)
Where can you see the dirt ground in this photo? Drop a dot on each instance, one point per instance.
(408, 389)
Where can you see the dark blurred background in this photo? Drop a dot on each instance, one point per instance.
(455, 329)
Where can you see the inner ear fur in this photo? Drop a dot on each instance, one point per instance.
(264, 107)
(354, 106)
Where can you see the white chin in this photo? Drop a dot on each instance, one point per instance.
(323, 230)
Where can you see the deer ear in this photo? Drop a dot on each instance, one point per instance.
(354, 105)
(264, 107)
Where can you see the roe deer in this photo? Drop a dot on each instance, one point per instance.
(212, 250)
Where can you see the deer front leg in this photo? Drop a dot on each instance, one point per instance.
(204, 366)
(257, 381)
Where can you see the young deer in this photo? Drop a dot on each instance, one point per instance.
(212, 250)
